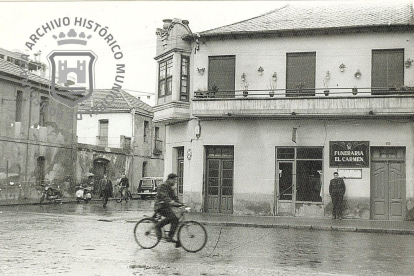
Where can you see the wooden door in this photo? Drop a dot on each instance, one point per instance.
(387, 190)
(219, 181)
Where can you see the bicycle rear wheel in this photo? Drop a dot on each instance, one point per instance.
(192, 236)
(118, 197)
(145, 233)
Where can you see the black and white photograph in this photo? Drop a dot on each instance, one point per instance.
(206, 138)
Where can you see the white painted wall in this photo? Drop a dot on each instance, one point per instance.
(355, 51)
(255, 141)
(118, 124)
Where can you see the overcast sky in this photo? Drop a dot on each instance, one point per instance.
(132, 24)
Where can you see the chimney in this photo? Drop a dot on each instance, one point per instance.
(167, 23)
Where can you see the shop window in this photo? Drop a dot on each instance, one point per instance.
(285, 153)
(300, 74)
(185, 79)
(221, 75)
(165, 77)
(387, 72)
(300, 168)
(19, 102)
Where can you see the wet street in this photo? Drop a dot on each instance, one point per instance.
(71, 239)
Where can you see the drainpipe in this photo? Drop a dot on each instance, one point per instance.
(133, 151)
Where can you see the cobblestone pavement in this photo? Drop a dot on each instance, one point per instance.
(72, 239)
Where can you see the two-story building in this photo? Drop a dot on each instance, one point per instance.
(119, 138)
(260, 113)
(37, 133)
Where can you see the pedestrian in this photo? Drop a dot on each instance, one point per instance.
(337, 190)
(106, 188)
(165, 199)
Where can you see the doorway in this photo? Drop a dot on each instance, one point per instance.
(388, 183)
(219, 179)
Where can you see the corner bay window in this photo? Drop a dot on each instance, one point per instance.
(185, 78)
(165, 77)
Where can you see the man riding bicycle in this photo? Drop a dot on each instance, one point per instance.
(165, 199)
(124, 185)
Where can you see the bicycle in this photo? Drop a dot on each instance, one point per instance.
(191, 235)
(122, 194)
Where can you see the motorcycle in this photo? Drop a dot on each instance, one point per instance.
(83, 194)
(51, 194)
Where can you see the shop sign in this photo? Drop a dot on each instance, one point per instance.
(350, 154)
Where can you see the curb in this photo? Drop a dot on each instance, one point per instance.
(313, 227)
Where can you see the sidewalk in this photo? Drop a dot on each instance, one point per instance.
(327, 224)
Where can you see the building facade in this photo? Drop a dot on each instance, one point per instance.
(260, 113)
(120, 139)
(37, 133)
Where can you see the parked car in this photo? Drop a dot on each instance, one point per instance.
(148, 186)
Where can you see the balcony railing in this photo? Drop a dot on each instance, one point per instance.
(305, 92)
(283, 103)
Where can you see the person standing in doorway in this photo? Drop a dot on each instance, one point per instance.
(106, 188)
(337, 190)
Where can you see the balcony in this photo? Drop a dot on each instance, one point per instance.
(343, 102)
(172, 112)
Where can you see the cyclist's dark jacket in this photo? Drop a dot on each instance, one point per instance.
(124, 182)
(165, 194)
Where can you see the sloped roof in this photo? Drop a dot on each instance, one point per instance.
(14, 70)
(122, 102)
(323, 15)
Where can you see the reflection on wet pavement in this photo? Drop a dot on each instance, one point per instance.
(85, 239)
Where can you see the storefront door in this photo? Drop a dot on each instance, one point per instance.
(219, 182)
(388, 184)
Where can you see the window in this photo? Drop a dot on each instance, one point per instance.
(44, 106)
(144, 168)
(300, 168)
(103, 133)
(10, 59)
(221, 75)
(127, 143)
(300, 74)
(146, 130)
(158, 142)
(185, 78)
(180, 170)
(19, 101)
(1, 56)
(165, 77)
(387, 70)
(40, 177)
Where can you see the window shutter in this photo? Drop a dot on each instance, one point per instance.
(300, 73)
(221, 73)
(387, 70)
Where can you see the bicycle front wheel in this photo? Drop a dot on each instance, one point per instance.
(145, 233)
(192, 236)
(118, 197)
